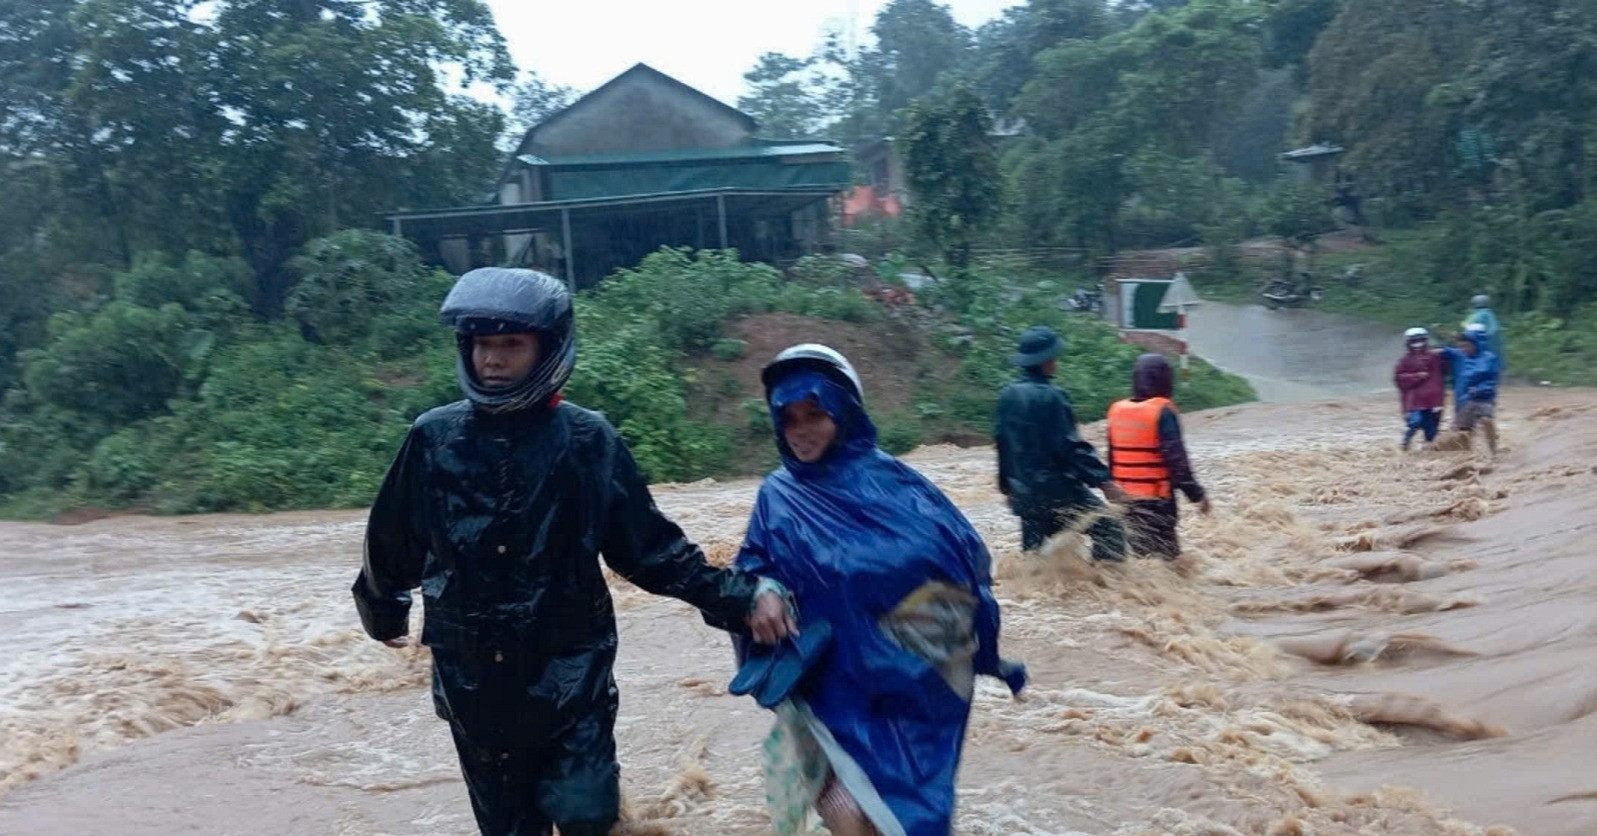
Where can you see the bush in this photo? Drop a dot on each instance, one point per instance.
(728, 350)
(757, 413)
(820, 271)
(119, 364)
(898, 433)
(1297, 212)
(689, 296)
(213, 289)
(192, 405)
(350, 279)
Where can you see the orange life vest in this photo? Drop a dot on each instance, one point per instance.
(1134, 446)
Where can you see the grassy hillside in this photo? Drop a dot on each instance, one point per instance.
(166, 394)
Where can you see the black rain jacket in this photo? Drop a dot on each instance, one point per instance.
(1043, 462)
(500, 520)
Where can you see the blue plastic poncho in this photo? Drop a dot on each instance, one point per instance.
(851, 537)
(1475, 377)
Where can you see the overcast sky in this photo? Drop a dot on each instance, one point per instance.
(708, 44)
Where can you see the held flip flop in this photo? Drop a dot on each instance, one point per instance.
(796, 656)
(756, 668)
(771, 672)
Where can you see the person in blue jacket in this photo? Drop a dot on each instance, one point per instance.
(1475, 372)
(1482, 315)
(867, 546)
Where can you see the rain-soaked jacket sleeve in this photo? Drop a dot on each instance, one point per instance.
(1072, 452)
(1173, 449)
(396, 546)
(642, 545)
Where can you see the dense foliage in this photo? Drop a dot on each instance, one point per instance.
(171, 395)
(188, 321)
(1148, 124)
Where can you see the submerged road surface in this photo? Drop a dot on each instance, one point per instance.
(1296, 355)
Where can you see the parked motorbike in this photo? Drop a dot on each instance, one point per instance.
(1087, 300)
(1286, 293)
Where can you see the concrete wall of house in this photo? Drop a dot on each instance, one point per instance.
(640, 114)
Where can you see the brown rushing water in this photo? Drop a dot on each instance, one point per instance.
(1356, 642)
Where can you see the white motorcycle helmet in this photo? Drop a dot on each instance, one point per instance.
(824, 359)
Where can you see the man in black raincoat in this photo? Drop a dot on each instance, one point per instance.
(498, 507)
(1044, 467)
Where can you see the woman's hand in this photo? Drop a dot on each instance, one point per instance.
(771, 622)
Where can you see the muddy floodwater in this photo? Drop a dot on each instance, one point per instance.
(1357, 641)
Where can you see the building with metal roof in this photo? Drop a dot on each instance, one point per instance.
(642, 162)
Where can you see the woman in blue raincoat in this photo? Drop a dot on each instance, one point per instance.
(870, 737)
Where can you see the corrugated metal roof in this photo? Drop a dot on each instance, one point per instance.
(686, 155)
(1320, 150)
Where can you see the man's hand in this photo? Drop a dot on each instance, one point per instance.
(402, 641)
(1205, 507)
(1113, 492)
(770, 622)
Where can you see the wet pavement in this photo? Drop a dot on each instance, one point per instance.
(1295, 355)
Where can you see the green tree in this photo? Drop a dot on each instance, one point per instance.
(533, 100)
(1529, 92)
(117, 365)
(253, 127)
(1373, 76)
(916, 40)
(1290, 29)
(1006, 47)
(952, 169)
(349, 279)
(784, 96)
(324, 94)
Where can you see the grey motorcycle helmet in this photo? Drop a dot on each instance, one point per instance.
(1481, 301)
(503, 300)
(826, 360)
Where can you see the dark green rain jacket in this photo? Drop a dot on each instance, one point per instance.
(1043, 463)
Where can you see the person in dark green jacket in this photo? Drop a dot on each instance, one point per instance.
(1045, 469)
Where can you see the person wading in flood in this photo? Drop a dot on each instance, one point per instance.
(1148, 459)
(893, 589)
(1044, 467)
(1481, 314)
(1420, 382)
(498, 507)
(1475, 373)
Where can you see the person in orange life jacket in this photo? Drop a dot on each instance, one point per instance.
(1148, 459)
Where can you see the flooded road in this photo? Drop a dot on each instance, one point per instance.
(1355, 642)
(1296, 355)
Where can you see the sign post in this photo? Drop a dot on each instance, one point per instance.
(1178, 297)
